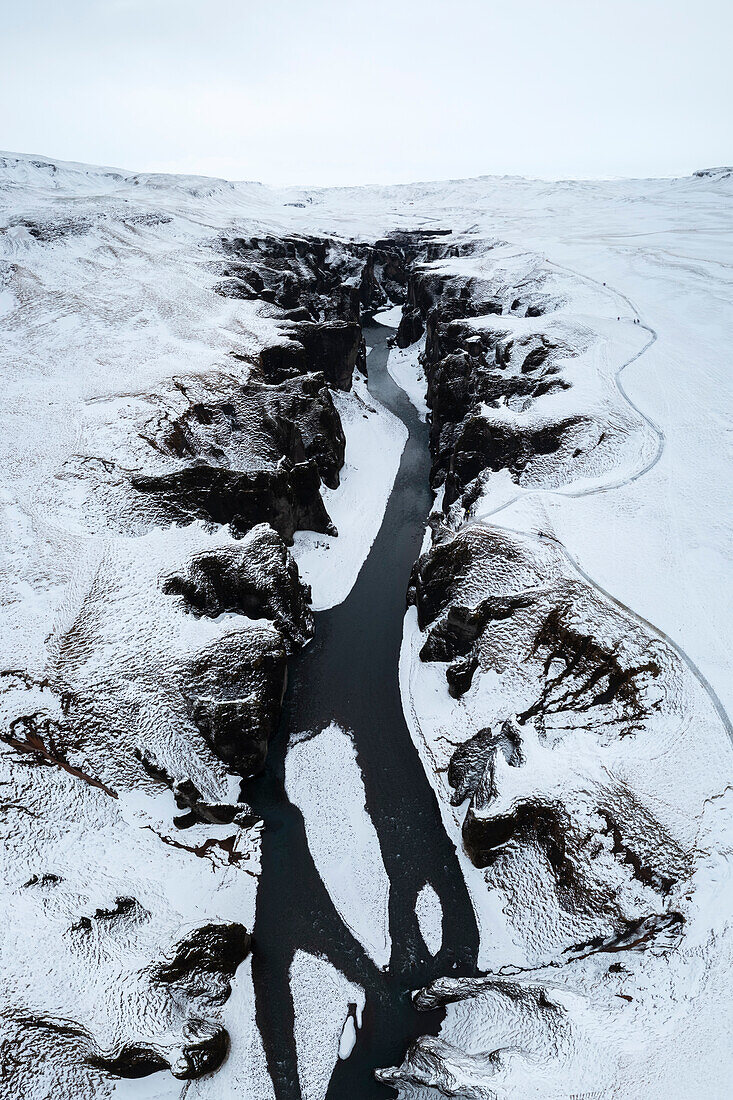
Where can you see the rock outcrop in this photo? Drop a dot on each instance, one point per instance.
(256, 578)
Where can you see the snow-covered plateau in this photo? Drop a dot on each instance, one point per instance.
(195, 472)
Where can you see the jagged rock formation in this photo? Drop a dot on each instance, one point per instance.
(322, 287)
(572, 666)
(335, 348)
(257, 578)
(246, 455)
(322, 279)
(499, 371)
(234, 691)
(469, 368)
(577, 759)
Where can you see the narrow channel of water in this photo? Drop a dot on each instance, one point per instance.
(349, 674)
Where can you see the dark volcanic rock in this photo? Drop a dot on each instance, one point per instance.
(334, 348)
(570, 664)
(469, 762)
(468, 367)
(330, 279)
(258, 578)
(254, 454)
(198, 810)
(432, 295)
(203, 1050)
(287, 497)
(538, 823)
(253, 424)
(480, 445)
(234, 692)
(583, 661)
(216, 949)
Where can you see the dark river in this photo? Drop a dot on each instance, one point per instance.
(349, 673)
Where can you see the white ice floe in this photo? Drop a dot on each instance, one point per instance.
(347, 1042)
(328, 1009)
(429, 913)
(323, 779)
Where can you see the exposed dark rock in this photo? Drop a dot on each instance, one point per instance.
(47, 230)
(489, 603)
(253, 453)
(480, 444)
(661, 931)
(203, 1050)
(432, 296)
(287, 497)
(455, 634)
(252, 426)
(333, 348)
(459, 674)
(467, 367)
(258, 578)
(470, 761)
(606, 676)
(581, 673)
(540, 823)
(330, 279)
(199, 811)
(216, 949)
(234, 692)
(122, 908)
(47, 879)
(440, 576)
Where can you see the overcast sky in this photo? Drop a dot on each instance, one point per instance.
(319, 91)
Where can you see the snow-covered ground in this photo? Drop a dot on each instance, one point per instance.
(608, 539)
(404, 367)
(107, 298)
(374, 443)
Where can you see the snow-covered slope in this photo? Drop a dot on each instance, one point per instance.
(583, 533)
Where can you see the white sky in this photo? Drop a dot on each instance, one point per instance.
(317, 91)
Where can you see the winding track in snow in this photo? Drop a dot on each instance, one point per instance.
(543, 536)
(596, 490)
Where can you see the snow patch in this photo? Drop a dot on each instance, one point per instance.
(323, 778)
(406, 371)
(324, 1002)
(389, 317)
(375, 440)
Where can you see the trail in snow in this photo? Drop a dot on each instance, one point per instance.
(596, 490)
(620, 483)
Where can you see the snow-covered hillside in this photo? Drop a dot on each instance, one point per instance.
(179, 436)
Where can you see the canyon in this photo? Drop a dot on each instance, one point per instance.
(364, 687)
